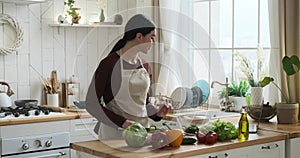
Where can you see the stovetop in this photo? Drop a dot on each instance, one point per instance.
(26, 111)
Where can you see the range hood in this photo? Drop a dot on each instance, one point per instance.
(23, 1)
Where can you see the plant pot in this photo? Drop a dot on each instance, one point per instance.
(287, 113)
(238, 102)
(256, 96)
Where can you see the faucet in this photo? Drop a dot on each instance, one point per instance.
(227, 104)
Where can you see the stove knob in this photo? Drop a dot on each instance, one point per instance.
(38, 143)
(25, 146)
(48, 143)
(36, 112)
(17, 114)
(27, 113)
(46, 112)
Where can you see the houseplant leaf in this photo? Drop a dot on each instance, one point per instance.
(266, 81)
(291, 65)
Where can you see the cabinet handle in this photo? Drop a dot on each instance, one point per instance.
(273, 146)
(219, 156)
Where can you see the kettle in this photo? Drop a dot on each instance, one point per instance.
(5, 100)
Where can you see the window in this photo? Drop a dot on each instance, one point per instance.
(226, 27)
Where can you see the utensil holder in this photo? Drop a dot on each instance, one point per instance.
(52, 99)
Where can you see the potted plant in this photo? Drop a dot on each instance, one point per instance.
(237, 94)
(72, 11)
(253, 77)
(288, 111)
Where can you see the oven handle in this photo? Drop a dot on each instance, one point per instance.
(52, 155)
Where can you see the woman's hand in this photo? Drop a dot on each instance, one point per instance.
(127, 123)
(164, 109)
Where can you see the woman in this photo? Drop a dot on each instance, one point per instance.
(118, 95)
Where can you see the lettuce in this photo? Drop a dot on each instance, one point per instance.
(135, 135)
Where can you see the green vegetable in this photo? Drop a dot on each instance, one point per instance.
(192, 129)
(225, 130)
(188, 140)
(135, 135)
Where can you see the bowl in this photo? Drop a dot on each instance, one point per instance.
(268, 112)
(79, 104)
(26, 102)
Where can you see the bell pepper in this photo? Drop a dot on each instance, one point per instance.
(175, 137)
(159, 140)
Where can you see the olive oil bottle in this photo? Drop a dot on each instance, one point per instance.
(243, 132)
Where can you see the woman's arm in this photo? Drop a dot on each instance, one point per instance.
(93, 99)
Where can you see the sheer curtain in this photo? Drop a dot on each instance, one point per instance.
(177, 38)
(289, 35)
(274, 60)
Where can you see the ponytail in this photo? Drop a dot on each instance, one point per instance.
(120, 44)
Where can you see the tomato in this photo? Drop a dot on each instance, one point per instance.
(211, 138)
(201, 137)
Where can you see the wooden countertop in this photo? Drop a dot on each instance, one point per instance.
(292, 130)
(67, 116)
(119, 148)
(268, 132)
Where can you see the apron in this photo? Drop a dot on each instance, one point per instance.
(129, 102)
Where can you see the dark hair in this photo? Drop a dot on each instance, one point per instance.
(137, 24)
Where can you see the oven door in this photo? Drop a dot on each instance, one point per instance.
(58, 153)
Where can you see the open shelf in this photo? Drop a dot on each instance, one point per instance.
(23, 2)
(85, 25)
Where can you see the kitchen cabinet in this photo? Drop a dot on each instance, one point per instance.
(292, 148)
(82, 130)
(233, 153)
(269, 150)
(266, 150)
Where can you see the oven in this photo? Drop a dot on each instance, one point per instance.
(33, 140)
(43, 146)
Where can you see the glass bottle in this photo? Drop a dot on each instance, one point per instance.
(243, 131)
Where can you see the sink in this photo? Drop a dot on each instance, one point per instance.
(201, 117)
(197, 117)
(210, 114)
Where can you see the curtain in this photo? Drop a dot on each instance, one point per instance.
(177, 38)
(274, 60)
(289, 35)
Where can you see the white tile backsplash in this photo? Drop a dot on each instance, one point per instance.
(46, 48)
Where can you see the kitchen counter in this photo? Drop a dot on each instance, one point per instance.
(119, 148)
(67, 116)
(292, 130)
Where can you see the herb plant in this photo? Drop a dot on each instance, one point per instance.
(235, 89)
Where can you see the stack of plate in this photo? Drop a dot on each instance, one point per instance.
(184, 97)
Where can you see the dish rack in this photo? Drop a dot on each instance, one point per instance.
(165, 99)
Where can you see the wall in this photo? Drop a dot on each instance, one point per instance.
(46, 48)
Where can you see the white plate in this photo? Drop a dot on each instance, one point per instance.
(182, 96)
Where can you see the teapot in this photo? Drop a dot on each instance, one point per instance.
(5, 100)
